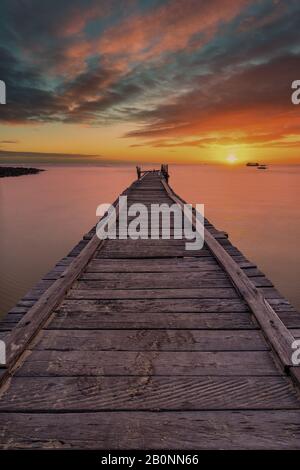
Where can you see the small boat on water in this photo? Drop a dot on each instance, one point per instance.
(252, 164)
(262, 167)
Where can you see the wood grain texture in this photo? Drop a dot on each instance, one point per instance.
(131, 294)
(153, 281)
(153, 265)
(150, 280)
(156, 430)
(10, 321)
(152, 393)
(151, 340)
(94, 318)
(161, 305)
(83, 363)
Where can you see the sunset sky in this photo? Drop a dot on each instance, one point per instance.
(150, 80)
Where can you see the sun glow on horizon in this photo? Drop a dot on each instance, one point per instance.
(231, 159)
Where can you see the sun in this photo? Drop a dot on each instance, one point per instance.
(231, 158)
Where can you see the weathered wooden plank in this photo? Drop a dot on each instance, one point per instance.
(290, 319)
(252, 272)
(55, 273)
(36, 292)
(151, 252)
(152, 265)
(150, 280)
(65, 261)
(67, 394)
(154, 305)
(148, 243)
(156, 235)
(155, 430)
(153, 282)
(295, 374)
(260, 281)
(21, 307)
(282, 305)
(151, 340)
(164, 280)
(83, 363)
(10, 321)
(243, 262)
(205, 293)
(267, 293)
(78, 248)
(91, 318)
(159, 265)
(95, 317)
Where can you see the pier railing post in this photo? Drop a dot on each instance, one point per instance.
(164, 169)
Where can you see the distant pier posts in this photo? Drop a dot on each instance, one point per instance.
(2, 92)
(165, 172)
(138, 171)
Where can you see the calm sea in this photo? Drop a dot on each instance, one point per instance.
(43, 216)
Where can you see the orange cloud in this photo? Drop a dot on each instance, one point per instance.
(253, 104)
(168, 28)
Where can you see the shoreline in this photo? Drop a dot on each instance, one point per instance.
(6, 171)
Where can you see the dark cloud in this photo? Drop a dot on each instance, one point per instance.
(179, 69)
(262, 92)
(29, 98)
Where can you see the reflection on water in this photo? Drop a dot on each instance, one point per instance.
(43, 216)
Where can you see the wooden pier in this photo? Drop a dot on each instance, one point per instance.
(141, 344)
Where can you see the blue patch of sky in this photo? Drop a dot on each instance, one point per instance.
(231, 47)
(120, 12)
